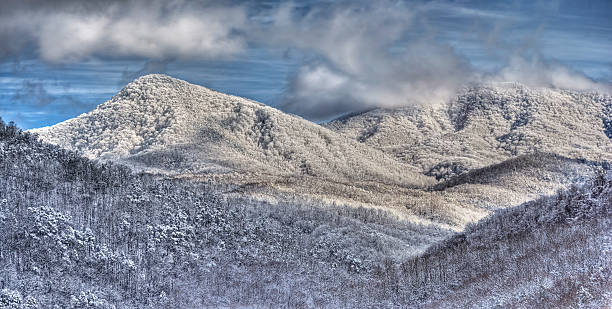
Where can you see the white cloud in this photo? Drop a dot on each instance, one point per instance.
(358, 66)
(148, 29)
(536, 72)
(360, 54)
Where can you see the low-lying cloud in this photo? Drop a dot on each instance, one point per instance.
(537, 72)
(382, 57)
(33, 93)
(365, 60)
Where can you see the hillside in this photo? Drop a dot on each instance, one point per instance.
(554, 252)
(162, 124)
(77, 233)
(486, 125)
(450, 204)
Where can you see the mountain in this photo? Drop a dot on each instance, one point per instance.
(158, 123)
(164, 125)
(78, 233)
(293, 214)
(486, 125)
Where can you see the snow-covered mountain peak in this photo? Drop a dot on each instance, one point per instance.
(152, 84)
(162, 90)
(157, 78)
(169, 124)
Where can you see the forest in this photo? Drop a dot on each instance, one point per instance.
(77, 233)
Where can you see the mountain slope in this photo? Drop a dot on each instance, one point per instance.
(488, 124)
(554, 252)
(161, 124)
(75, 233)
(164, 124)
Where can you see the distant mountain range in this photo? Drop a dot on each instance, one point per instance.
(163, 124)
(487, 125)
(521, 142)
(158, 122)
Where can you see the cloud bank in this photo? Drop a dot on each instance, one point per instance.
(357, 55)
(73, 31)
(537, 72)
(365, 60)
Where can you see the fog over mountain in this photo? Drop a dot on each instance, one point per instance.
(317, 59)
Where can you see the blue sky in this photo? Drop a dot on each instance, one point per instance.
(317, 59)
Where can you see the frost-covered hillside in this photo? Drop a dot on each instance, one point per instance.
(553, 252)
(161, 124)
(293, 214)
(488, 124)
(165, 124)
(77, 233)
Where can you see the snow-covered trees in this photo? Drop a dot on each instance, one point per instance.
(554, 251)
(11, 299)
(487, 124)
(78, 233)
(89, 300)
(161, 124)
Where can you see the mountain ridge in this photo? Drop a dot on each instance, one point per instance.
(79, 232)
(165, 123)
(76, 233)
(487, 124)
